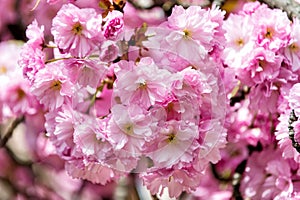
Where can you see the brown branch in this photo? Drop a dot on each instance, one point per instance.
(9, 132)
(291, 7)
(236, 180)
(292, 119)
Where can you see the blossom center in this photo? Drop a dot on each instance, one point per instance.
(77, 28)
(171, 137)
(187, 33)
(294, 47)
(143, 85)
(240, 42)
(262, 64)
(269, 33)
(128, 128)
(3, 70)
(170, 107)
(21, 94)
(56, 85)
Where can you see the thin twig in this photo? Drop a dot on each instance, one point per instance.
(10, 131)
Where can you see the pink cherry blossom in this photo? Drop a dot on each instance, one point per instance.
(251, 7)
(176, 180)
(18, 98)
(175, 144)
(31, 61)
(85, 72)
(189, 100)
(108, 51)
(60, 129)
(128, 131)
(35, 34)
(15, 96)
(32, 56)
(90, 140)
(277, 185)
(77, 31)
(114, 25)
(8, 61)
(52, 87)
(273, 28)
(292, 51)
(190, 30)
(239, 40)
(143, 84)
(93, 171)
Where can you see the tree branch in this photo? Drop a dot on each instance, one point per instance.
(9, 132)
(291, 7)
(292, 119)
(236, 180)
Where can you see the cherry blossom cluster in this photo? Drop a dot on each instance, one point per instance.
(197, 101)
(113, 105)
(261, 56)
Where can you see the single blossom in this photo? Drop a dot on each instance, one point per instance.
(292, 50)
(90, 140)
(77, 31)
(35, 34)
(176, 180)
(142, 84)
(114, 25)
(174, 144)
(273, 28)
(190, 33)
(278, 183)
(31, 61)
(52, 88)
(240, 40)
(85, 72)
(93, 171)
(19, 99)
(108, 51)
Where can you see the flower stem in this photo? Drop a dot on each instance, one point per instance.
(56, 59)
